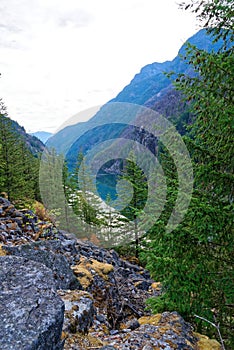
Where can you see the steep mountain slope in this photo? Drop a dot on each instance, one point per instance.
(149, 88)
(152, 81)
(19, 161)
(32, 142)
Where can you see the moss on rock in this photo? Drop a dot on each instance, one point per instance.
(205, 343)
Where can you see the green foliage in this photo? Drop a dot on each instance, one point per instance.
(127, 251)
(55, 187)
(79, 190)
(195, 261)
(85, 205)
(132, 175)
(214, 15)
(18, 167)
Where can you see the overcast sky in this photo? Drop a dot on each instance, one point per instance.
(59, 57)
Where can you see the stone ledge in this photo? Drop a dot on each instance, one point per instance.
(31, 312)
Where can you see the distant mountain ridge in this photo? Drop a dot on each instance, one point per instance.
(42, 135)
(148, 88)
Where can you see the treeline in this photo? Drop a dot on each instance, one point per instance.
(19, 168)
(195, 261)
(73, 200)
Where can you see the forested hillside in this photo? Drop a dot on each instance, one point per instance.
(19, 160)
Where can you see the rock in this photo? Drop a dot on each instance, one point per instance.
(101, 318)
(113, 282)
(66, 247)
(79, 311)
(133, 324)
(4, 203)
(204, 343)
(88, 268)
(22, 226)
(147, 347)
(153, 320)
(109, 314)
(167, 331)
(144, 285)
(31, 313)
(46, 253)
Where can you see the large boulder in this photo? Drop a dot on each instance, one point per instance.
(31, 312)
(51, 255)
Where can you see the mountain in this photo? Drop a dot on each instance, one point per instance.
(149, 88)
(42, 135)
(152, 80)
(32, 142)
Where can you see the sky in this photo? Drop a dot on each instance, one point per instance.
(60, 57)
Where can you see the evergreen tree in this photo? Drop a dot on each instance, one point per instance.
(55, 187)
(132, 175)
(195, 261)
(85, 204)
(19, 168)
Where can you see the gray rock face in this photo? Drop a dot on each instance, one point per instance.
(79, 311)
(51, 256)
(31, 312)
(109, 313)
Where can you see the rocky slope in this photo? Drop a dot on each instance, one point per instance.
(34, 145)
(58, 292)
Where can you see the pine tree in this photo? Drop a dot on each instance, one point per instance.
(132, 175)
(54, 188)
(195, 261)
(85, 204)
(19, 168)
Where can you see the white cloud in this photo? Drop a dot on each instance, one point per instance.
(61, 56)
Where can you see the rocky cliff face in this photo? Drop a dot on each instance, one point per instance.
(57, 292)
(151, 80)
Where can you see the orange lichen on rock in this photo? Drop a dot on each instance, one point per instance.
(87, 268)
(83, 275)
(153, 320)
(102, 269)
(2, 251)
(205, 343)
